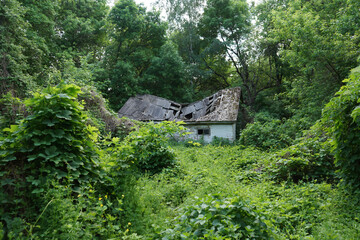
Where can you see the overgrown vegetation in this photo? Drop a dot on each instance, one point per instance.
(71, 169)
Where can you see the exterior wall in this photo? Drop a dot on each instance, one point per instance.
(218, 130)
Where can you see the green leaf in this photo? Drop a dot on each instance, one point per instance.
(62, 95)
(48, 122)
(38, 190)
(65, 114)
(51, 152)
(60, 174)
(32, 157)
(9, 158)
(12, 129)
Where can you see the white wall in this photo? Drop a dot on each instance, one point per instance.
(218, 130)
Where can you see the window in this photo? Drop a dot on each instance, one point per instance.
(203, 131)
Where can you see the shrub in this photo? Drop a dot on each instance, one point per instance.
(219, 218)
(265, 134)
(147, 149)
(54, 142)
(342, 113)
(310, 158)
(89, 214)
(219, 141)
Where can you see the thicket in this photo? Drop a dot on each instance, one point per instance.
(70, 169)
(342, 114)
(215, 217)
(130, 187)
(177, 202)
(58, 180)
(52, 145)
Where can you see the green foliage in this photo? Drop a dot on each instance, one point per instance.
(89, 214)
(305, 158)
(306, 209)
(265, 133)
(309, 159)
(53, 142)
(215, 217)
(314, 43)
(136, 38)
(83, 32)
(219, 141)
(146, 149)
(12, 110)
(13, 43)
(165, 77)
(342, 114)
(52, 183)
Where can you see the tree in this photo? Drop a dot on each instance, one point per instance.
(225, 26)
(183, 16)
(80, 27)
(136, 37)
(13, 39)
(315, 39)
(316, 48)
(166, 76)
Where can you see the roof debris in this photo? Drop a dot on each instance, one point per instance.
(219, 107)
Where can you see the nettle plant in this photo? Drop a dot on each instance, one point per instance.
(214, 217)
(53, 143)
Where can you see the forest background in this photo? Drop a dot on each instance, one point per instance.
(66, 65)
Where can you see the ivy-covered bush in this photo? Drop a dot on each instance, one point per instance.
(342, 114)
(215, 217)
(53, 143)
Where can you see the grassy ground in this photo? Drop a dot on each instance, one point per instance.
(305, 210)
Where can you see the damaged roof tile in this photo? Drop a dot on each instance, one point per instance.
(219, 107)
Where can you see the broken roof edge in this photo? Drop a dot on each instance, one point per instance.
(222, 106)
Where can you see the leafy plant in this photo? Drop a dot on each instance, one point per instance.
(265, 134)
(146, 149)
(54, 142)
(342, 114)
(310, 158)
(215, 217)
(219, 141)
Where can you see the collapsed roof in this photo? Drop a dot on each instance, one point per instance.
(222, 106)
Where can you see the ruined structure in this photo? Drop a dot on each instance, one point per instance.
(215, 115)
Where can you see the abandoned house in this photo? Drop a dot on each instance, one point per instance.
(212, 116)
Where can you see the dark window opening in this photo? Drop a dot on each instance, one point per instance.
(203, 131)
(189, 116)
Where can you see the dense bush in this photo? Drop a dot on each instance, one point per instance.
(215, 217)
(146, 149)
(54, 142)
(342, 114)
(265, 133)
(308, 159)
